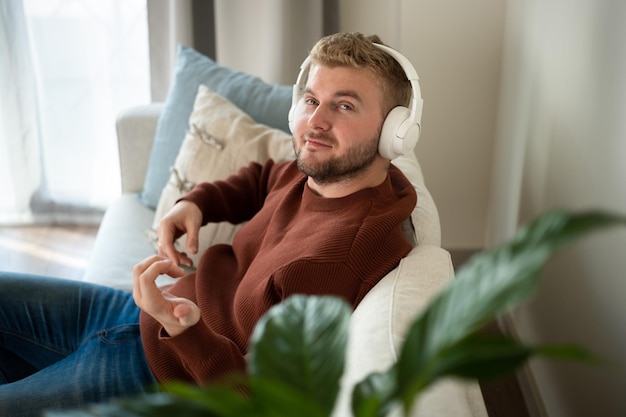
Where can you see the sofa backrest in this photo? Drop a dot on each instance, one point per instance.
(425, 217)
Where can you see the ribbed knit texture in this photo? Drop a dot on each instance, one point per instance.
(295, 242)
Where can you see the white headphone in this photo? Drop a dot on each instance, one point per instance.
(402, 126)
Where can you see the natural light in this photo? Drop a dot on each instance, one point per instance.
(91, 59)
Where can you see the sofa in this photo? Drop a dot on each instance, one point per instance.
(126, 234)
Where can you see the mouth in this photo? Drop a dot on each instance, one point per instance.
(317, 143)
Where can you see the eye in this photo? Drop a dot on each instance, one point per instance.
(345, 106)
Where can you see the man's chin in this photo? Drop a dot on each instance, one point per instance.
(306, 167)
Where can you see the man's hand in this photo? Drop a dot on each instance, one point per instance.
(174, 313)
(184, 217)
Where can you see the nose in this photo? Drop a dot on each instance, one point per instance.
(319, 118)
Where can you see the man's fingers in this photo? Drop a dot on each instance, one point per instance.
(138, 270)
(167, 250)
(174, 313)
(187, 314)
(146, 272)
(167, 237)
(192, 242)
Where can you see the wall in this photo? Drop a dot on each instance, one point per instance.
(268, 38)
(561, 142)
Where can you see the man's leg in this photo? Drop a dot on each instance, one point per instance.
(64, 344)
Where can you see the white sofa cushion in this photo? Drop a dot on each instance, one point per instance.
(121, 243)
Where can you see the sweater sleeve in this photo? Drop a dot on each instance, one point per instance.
(205, 355)
(198, 355)
(235, 199)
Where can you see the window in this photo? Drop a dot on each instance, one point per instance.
(91, 61)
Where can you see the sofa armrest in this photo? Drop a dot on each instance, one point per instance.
(135, 133)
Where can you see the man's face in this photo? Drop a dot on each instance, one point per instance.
(338, 123)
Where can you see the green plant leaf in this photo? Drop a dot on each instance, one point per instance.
(569, 352)
(373, 397)
(481, 356)
(302, 343)
(223, 400)
(490, 284)
(274, 398)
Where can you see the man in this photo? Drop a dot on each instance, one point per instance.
(328, 223)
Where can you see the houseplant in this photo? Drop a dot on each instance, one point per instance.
(297, 349)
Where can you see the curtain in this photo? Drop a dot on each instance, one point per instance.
(268, 39)
(67, 69)
(20, 175)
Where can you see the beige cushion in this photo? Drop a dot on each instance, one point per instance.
(221, 139)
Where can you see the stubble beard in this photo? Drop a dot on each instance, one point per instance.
(339, 169)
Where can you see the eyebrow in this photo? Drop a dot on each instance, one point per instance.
(340, 93)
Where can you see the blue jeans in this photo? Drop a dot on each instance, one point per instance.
(64, 344)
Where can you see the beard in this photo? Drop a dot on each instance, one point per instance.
(337, 169)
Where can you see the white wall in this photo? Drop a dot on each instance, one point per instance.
(562, 143)
(268, 38)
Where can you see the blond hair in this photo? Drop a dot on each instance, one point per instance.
(355, 50)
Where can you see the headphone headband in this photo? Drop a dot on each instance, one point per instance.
(402, 126)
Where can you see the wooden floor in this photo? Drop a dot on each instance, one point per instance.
(46, 250)
(64, 252)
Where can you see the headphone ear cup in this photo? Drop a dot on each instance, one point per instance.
(392, 144)
(295, 98)
(298, 92)
(290, 120)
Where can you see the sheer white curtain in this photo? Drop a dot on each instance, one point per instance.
(67, 68)
(20, 172)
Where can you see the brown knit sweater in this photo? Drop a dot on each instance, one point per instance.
(295, 242)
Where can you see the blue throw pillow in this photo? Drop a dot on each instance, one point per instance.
(266, 103)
